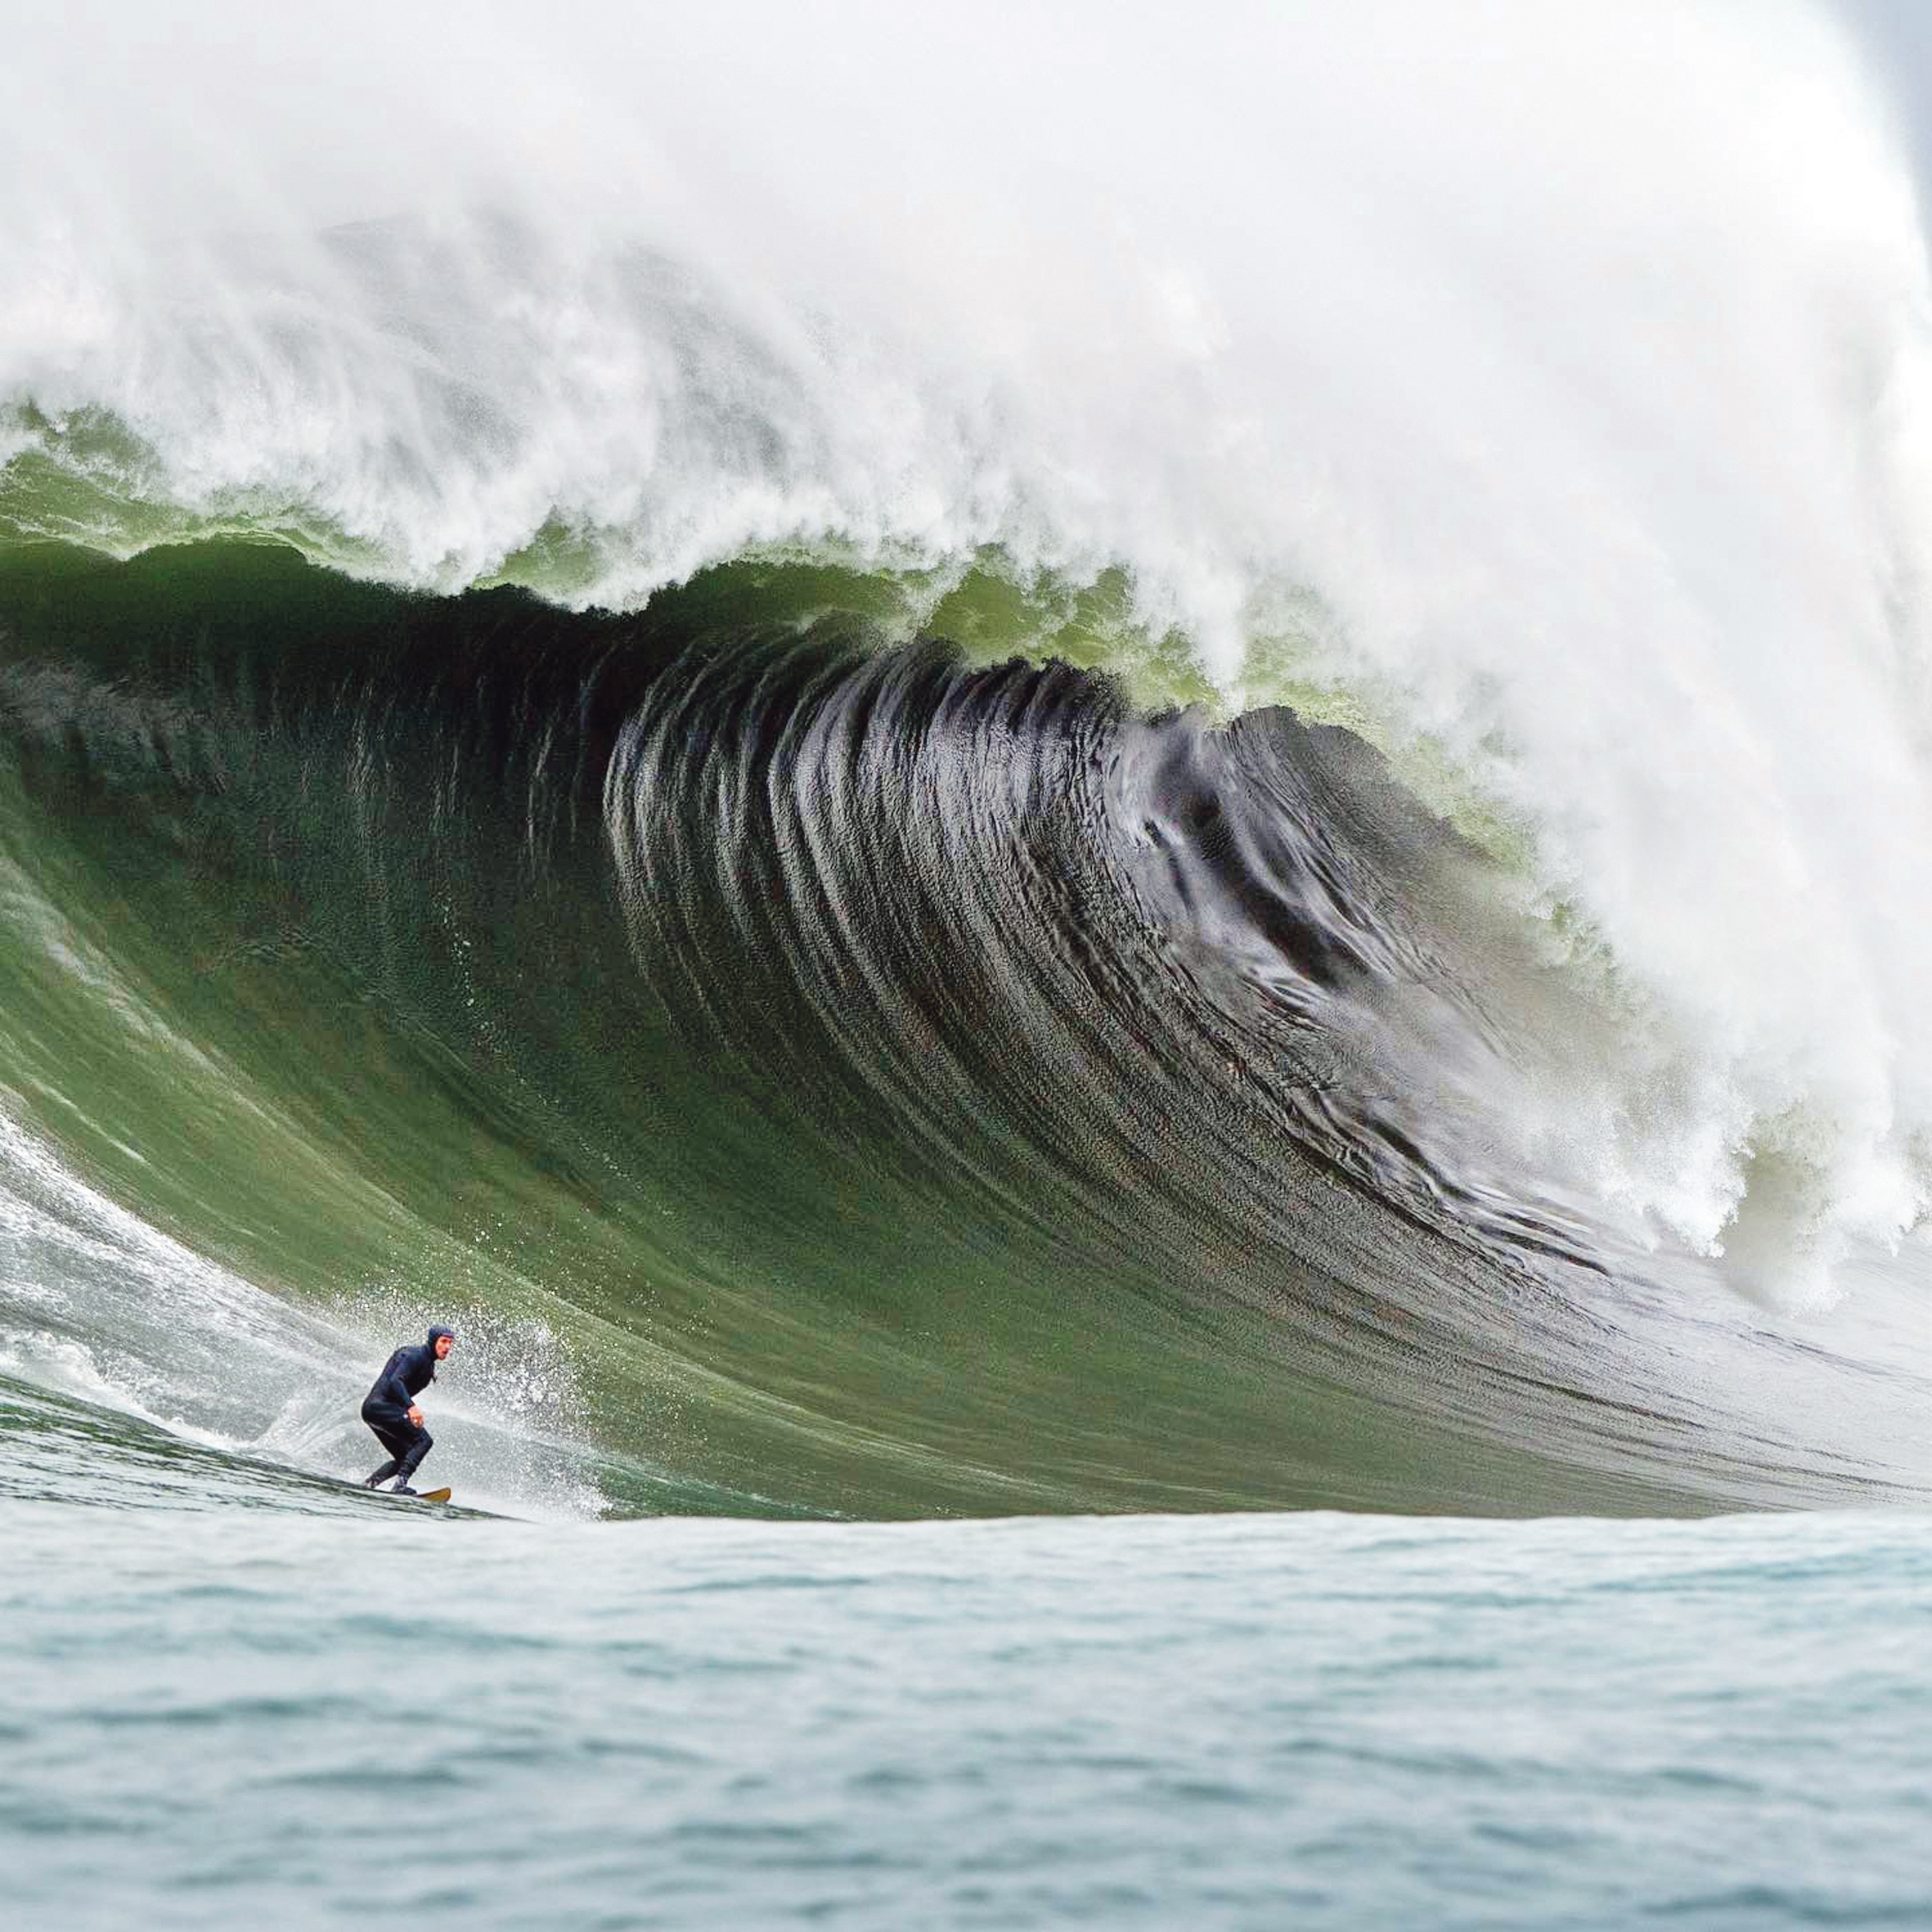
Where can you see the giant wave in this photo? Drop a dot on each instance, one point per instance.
(885, 1085)
(876, 971)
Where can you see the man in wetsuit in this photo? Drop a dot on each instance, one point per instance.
(390, 1409)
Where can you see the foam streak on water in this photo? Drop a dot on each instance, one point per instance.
(1239, 1722)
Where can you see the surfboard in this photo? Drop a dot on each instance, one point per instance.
(417, 1496)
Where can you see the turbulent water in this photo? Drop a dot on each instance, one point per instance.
(1194, 776)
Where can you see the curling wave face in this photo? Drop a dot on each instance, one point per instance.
(884, 1085)
(820, 1047)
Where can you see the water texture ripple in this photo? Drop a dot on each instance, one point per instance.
(1236, 1722)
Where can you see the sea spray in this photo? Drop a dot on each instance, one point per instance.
(1585, 407)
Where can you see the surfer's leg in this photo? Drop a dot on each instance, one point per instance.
(396, 1437)
(407, 1463)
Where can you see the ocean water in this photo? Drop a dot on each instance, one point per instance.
(1119, 872)
(1242, 1721)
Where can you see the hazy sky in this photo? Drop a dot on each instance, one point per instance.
(1898, 33)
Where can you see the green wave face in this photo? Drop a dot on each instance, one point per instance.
(815, 1073)
(377, 1043)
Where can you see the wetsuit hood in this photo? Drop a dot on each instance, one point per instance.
(435, 1332)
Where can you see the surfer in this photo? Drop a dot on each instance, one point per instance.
(390, 1409)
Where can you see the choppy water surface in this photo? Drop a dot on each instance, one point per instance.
(1234, 1722)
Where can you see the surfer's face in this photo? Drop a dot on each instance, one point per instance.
(443, 1345)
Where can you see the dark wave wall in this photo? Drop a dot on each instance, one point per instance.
(905, 1086)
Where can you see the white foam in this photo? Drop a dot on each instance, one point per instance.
(1576, 358)
(95, 1302)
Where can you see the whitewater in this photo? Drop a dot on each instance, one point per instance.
(1107, 832)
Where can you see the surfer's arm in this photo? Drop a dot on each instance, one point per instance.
(390, 1386)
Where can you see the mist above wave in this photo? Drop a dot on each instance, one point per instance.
(1558, 380)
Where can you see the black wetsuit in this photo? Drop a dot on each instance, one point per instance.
(385, 1409)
